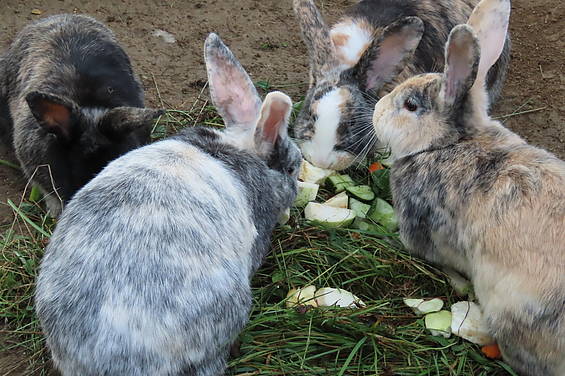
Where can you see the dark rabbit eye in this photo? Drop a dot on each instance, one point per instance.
(410, 105)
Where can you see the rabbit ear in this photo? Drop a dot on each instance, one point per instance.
(490, 20)
(273, 121)
(461, 63)
(55, 114)
(386, 56)
(316, 36)
(120, 121)
(231, 89)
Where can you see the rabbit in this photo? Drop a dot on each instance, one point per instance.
(148, 271)
(69, 103)
(475, 198)
(377, 44)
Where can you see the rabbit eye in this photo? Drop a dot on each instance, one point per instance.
(410, 105)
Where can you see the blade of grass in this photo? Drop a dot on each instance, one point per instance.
(351, 355)
(10, 164)
(26, 218)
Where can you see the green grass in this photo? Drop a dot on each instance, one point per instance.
(21, 248)
(384, 338)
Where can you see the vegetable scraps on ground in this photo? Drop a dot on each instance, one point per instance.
(422, 307)
(368, 208)
(465, 320)
(323, 297)
(354, 205)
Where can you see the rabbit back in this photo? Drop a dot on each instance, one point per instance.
(93, 68)
(497, 215)
(153, 257)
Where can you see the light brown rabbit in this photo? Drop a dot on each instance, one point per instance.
(475, 198)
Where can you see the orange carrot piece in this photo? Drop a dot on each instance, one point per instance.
(375, 167)
(492, 351)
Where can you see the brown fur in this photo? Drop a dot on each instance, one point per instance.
(474, 197)
(322, 53)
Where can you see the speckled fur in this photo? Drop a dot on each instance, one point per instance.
(474, 197)
(354, 138)
(75, 61)
(148, 271)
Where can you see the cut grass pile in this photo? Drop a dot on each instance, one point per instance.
(384, 338)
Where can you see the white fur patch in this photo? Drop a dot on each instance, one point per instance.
(351, 40)
(94, 113)
(145, 329)
(319, 149)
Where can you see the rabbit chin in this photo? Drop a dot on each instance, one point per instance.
(397, 140)
(334, 160)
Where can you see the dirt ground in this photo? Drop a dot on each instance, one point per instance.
(265, 37)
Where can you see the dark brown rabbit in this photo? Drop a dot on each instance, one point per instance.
(69, 103)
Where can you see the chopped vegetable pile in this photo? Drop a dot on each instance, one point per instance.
(362, 207)
(465, 320)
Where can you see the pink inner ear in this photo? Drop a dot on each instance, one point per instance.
(232, 91)
(492, 44)
(461, 58)
(458, 68)
(392, 51)
(274, 121)
(56, 117)
(490, 22)
(233, 96)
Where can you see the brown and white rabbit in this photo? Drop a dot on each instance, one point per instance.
(376, 45)
(474, 197)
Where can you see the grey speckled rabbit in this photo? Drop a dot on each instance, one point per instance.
(148, 271)
(476, 198)
(376, 45)
(69, 103)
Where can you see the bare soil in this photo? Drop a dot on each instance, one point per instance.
(265, 37)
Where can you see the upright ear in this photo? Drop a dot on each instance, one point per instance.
(55, 114)
(490, 20)
(231, 89)
(462, 56)
(387, 55)
(316, 36)
(273, 121)
(120, 121)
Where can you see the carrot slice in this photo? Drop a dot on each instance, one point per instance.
(492, 351)
(375, 167)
